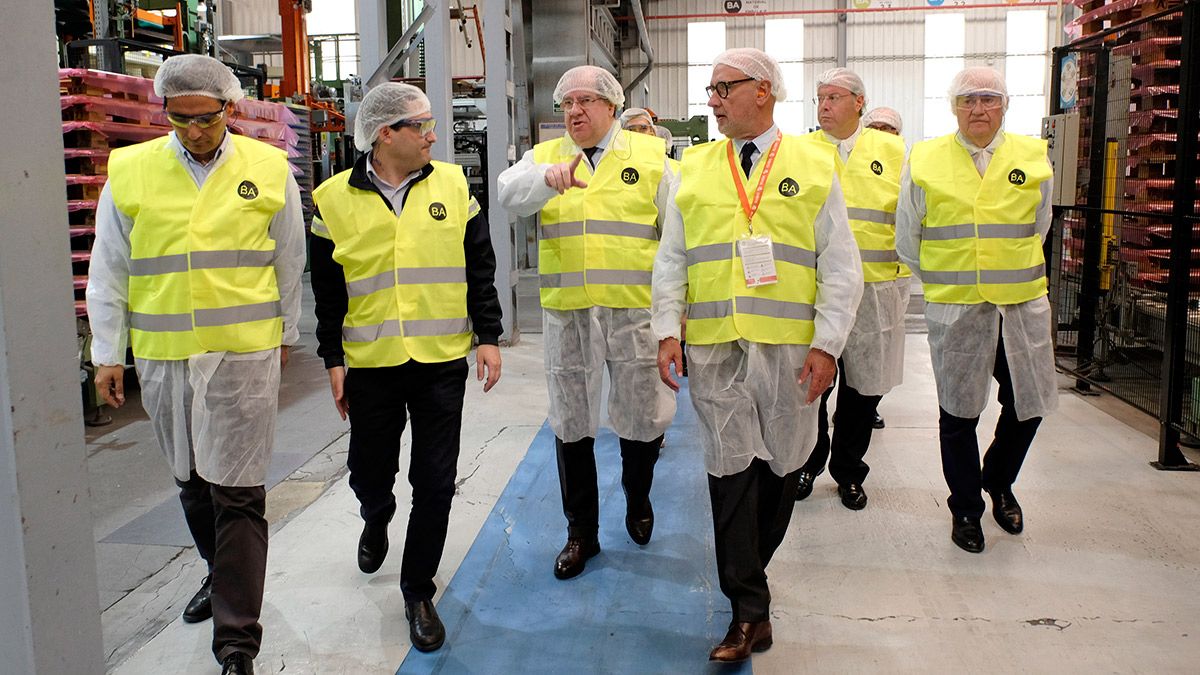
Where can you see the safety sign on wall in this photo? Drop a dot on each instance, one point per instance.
(744, 6)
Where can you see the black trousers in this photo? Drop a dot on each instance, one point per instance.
(851, 434)
(432, 395)
(751, 511)
(229, 527)
(1001, 464)
(577, 480)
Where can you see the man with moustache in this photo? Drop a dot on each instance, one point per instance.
(600, 191)
(757, 247)
(403, 271)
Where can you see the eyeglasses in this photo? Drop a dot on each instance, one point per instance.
(639, 128)
(204, 121)
(423, 127)
(986, 101)
(831, 98)
(568, 103)
(722, 88)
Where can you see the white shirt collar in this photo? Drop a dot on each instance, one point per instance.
(761, 143)
(186, 157)
(996, 142)
(382, 184)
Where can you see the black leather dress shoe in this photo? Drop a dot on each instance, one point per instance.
(805, 486)
(878, 424)
(199, 608)
(1007, 511)
(853, 496)
(574, 556)
(742, 639)
(640, 525)
(967, 534)
(237, 663)
(425, 629)
(372, 547)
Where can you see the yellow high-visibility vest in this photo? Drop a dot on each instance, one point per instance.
(720, 306)
(596, 245)
(979, 239)
(201, 274)
(871, 185)
(406, 274)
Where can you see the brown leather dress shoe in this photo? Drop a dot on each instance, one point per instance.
(571, 561)
(741, 640)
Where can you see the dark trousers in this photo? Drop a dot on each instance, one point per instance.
(577, 481)
(751, 511)
(1001, 464)
(229, 527)
(432, 395)
(851, 435)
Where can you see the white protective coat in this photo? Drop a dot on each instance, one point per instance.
(214, 412)
(962, 338)
(580, 343)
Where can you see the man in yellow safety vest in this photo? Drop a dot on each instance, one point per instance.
(757, 248)
(403, 272)
(197, 263)
(974, 210)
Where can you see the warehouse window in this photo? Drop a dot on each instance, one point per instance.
(704, 42)
(785, 41)
(1025, 67)
(945, 35)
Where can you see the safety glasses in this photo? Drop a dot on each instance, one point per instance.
(204, 121)
(423, 127)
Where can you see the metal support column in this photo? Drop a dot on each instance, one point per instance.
(49, 605)
(498, 25)
(437, 77)
(1174, 367)
(372, 35)
(1089, 293)
(841, 35)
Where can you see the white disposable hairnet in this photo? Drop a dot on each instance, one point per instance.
(593, 79)
(844, 78)
(757, 64)
(632, 114)
(665, 134)
(385, 105)
(197, 75)
(883, 115)
(978, 80)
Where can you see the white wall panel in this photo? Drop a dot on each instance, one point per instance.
(886, 48)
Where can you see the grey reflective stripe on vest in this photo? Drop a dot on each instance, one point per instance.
(878, 255)
(778, 309)
(709, 253)
(319, 228)
(1005, 231)
(620, 277)
(1011, 276)
(795, 255)
(163, 264)
(556, 230)
(160, 323)
(227, 316)
(714, 309)
(227, 259)
(412, 328)
(178, 262)
(871, 215)
(406, 275)
(564, 280)
(948, 278)
(432, 327)
(622, 229)
(948, 232)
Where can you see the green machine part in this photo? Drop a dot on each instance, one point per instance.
(191, 11)
(695, 128)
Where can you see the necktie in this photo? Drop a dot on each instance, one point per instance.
(981, 157)
(590, 152)
(748, 158)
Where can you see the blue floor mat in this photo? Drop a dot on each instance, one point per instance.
(652, 609)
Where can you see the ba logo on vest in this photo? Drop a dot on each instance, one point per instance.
(789, 187)
(630, 175)
(247, 190)
(437, 211)
(1016, 177)
(877, 168)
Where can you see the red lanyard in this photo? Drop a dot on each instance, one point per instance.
(747, 207)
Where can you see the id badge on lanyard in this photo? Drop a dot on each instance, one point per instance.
(757, 252)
